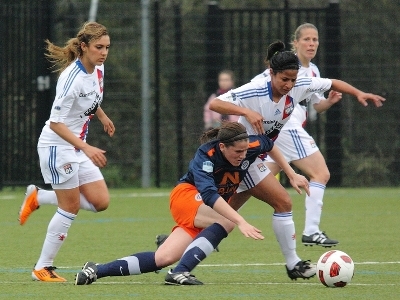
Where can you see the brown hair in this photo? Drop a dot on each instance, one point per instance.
(62, 57)
(228, 133)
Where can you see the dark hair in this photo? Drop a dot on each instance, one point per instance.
(279, 60)
(228, 133)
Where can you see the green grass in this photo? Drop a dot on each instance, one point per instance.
(365, 221)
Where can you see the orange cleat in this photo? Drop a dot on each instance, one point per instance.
(47, 274)
(29, 205)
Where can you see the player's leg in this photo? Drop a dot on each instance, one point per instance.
(315, 168)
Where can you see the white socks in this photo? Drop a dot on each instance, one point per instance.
(314, 208)
(285, 233)
(49, 197)
(56, 234)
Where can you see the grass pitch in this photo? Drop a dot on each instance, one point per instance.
(365, 221)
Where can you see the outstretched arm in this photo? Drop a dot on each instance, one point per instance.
(362, 97)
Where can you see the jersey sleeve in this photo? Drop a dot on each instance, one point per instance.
(306, 87)
(202, 169)
(67, 91)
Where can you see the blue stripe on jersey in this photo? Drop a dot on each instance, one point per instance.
(297, 143)
(52, 165)
(71, 76)
(252, 93)
(303, 81)
(317, 185)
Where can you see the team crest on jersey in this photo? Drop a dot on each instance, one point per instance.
(100, 77)
(262, 167)
(67, 168)
(245, 164)
(288, 109)
(198, 197)
(312, 143)
(208, 166)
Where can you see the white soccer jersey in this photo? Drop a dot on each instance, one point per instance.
(299, 115)
(78, 95)
(257, 96)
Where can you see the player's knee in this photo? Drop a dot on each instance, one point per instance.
(102, 205)
(283, 205)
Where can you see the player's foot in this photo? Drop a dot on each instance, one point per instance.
(303, 269)
(160, 239)
(318, 238)
(88, 275)
(47, 274)
(181, 278)
(29, 205)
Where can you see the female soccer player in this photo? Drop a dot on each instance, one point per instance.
(198, 204)
(264, 106)
(298, 146)
(67, 162)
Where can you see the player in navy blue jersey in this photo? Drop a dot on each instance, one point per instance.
(199, 206)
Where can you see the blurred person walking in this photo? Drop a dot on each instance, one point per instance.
(212, 119)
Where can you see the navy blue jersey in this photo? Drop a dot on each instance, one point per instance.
(214, 176)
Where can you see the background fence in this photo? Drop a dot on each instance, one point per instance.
(191, 42)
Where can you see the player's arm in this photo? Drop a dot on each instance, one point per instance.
(296, 180)
(108, 125)
(227, 108)
(362, 97)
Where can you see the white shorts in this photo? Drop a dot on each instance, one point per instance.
(65, 168)
(257, 171)
(295, 144)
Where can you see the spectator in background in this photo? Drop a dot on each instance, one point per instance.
(212, 119)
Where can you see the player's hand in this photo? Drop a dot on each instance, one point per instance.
(297, 181)
(334, 97)
(376, 99)
(96, 155)
(108, 126)
(256, 120)
(249, 230)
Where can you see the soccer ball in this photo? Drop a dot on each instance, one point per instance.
(335, 268)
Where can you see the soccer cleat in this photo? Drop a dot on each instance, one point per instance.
(29, 205)
(47, 274)
(181, 278)
(88, 275)
(318, 238)
(303, 269)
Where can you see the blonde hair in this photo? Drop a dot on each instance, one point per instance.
(62, 57)
(297, 33)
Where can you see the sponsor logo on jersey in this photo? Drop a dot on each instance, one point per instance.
(87, 94)
(277, 112)
(289, 107)
(198, 197)
(208, 166)
(57, 107)
(67, 168)
(245, 164)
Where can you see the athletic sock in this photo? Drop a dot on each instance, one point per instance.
(56, 234)
(135, 264)
(285, 233)
(203, 244)
(314, 208)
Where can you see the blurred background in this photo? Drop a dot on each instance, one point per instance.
(163, 64)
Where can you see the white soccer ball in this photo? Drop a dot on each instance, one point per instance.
(335, 268)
